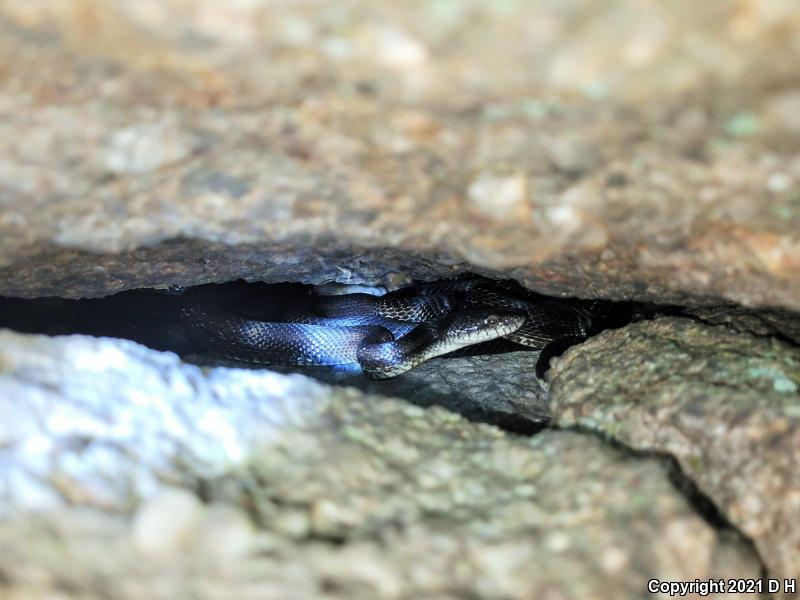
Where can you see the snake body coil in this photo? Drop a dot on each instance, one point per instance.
(388, 335)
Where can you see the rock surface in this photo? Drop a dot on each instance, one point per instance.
(157, 479)
(499, 389)
(177, 143)
(725, 404)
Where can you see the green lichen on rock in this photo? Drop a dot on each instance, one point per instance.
(725, 404)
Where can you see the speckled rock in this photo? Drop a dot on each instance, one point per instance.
(268, 486)
(177, 143)
(780, 324)
(725, 404)
(498, 389)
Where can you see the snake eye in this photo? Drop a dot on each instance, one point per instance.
(492, 320)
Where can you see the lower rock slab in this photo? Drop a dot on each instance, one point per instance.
(725, 404)
(127, 471)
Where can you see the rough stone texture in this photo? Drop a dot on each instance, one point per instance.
(781, 324)
(151, 143)
(499, 389)
(310, 491)
(725, 404)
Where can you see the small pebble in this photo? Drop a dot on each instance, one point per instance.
(779, 182)
(572, 156)
(143, 148)
(164, 524)
(395, 48)
(616, 180)
(225, 534)
(743, 124)
(499, 197)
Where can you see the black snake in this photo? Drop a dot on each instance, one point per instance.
(390, 334)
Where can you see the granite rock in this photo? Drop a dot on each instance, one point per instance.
(725, 404)
(499, 389)
(126, 470)
(180, 143)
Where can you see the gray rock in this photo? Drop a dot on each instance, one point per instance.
(105, 422)
(724, 404)
(781, 324)
(311, 491)
(498, 389)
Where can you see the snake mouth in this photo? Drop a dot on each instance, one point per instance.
(480, 325)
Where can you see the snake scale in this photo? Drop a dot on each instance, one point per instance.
(391, 334)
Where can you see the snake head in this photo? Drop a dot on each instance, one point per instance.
(479, 325)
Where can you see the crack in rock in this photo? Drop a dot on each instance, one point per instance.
(724, 404)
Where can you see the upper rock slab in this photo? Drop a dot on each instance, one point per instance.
(553, 143)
